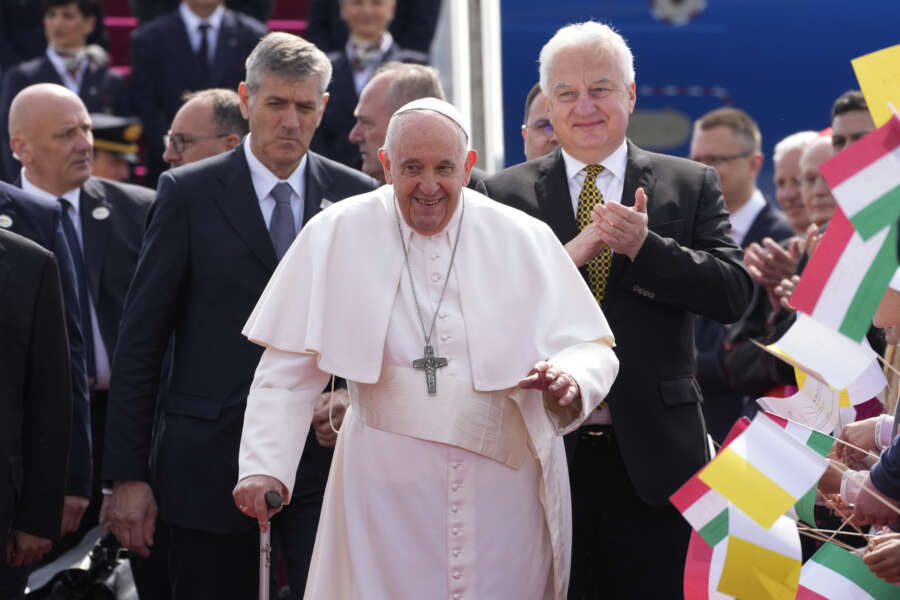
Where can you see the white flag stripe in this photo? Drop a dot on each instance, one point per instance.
(846, 277)
(707, 507)
(799, 432)
(781, 537)
(834, 356)
(868, 385)
(828, 583)
(877, 179)
(789, 463)
(716, 564)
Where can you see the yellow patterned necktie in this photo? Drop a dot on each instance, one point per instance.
(598, 267)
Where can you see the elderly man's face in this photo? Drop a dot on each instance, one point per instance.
(787, 189)
(283, 114)
(428, 166)
(193, 135)
(817, 198)
(373, 112)
(849, 127)
(367, 19)
(589, 102)
(56, 146)
(537, 132)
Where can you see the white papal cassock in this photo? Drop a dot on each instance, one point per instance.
(463, 494)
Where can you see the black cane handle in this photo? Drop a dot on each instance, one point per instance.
(273, 499)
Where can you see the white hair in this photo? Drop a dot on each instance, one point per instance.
(394, 127)
(795, 141)
(590, 34)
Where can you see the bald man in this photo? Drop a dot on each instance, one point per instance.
(208, 123)
(103, 223)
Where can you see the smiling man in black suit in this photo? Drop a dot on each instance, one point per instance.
(218, 230)
(651, 236)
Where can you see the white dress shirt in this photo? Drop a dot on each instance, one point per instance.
(101, 356)
(192, 24)
(264, 181)
(73, 83)
(742, 219)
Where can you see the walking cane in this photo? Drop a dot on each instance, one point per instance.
(273, 500)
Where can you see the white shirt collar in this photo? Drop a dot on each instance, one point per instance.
(614, 163)
(73, 196)
(264, 180)
(386, 40)
(192, 21)
(742, 219)
(73, 83)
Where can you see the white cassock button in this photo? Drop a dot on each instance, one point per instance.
(443, 315)
(454, 530)
(454, 487)
(456, 574)
(435, 256)
(435, 277)
(455, 464)
(444, 337)
(455, 552)
(454, 509)
(457, 596)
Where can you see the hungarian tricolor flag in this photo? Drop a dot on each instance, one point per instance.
(836, 574)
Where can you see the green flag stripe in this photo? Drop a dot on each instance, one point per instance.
(820, 442)
(716, 530)
(806, 506)
(868, 295)
(873, 218)
(853, 568)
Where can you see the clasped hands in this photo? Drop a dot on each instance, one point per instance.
(623, 229)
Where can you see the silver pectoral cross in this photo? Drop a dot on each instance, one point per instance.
(429, 363)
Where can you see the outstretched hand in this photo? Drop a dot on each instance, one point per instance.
(553, 380)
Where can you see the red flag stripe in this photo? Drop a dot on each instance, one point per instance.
(780, 421)
(690, 492)
(815, 275)
(861, 154)
(807, 594)
(696, 569)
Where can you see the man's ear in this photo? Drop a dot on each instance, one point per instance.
(231, 141)
(244, 93)
(20, 149)
(386, 164)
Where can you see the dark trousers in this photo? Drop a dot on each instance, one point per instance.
(212, 566)
(151, 575)
(12, 580)
(623, 548)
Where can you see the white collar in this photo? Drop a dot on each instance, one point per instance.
(73, 196)
(60, 66)
(264, 180)
(743, 218)
(192, 21)
(613, 164)
(386, 40)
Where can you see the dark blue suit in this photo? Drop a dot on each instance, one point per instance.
(722, 404)
(164, 67)
(206, 258)
(332, 136)
(39, 221)
(102, 91)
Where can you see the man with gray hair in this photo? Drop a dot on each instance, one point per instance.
(218, 229)
(651, 235)
(449, 478)
(208, 123)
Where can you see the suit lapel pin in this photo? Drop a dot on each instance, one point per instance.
(325, 203)
(6, 221)
(100, 213)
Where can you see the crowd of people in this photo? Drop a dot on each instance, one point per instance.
(523, 365)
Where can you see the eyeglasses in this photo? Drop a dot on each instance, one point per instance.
(180, 141)
(542, 124)
(720, 159)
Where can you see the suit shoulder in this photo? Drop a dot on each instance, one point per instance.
(526, 172)
(161, 25)
(247, 22)
(20, 246)
(410, 56)
(346, 175)
(665, 162)
(135, 194)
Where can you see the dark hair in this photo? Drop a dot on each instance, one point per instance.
(739, 122)
(226, 115)
(529, 100)
(88, 8)
(849, 101)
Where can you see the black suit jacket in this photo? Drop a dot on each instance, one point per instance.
(413, 25)
(207, 257)
(650, 302)
(723, 405)
(102, 91)
(145, 10)
(332, 136)
(39, 221)
(164, 67)
(35, 389)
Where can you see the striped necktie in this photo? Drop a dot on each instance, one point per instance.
(597, 268)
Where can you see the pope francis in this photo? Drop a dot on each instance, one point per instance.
(469, 342)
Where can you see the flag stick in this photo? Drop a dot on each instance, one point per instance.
(822, 538)
(888, 365)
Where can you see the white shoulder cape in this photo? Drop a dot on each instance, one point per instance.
(522, 298)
